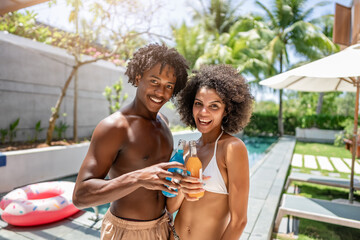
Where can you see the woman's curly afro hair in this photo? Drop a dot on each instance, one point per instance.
(229, 85)
(147, 57)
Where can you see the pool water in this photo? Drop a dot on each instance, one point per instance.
(256, 146)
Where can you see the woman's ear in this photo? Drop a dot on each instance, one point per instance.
(137, 80)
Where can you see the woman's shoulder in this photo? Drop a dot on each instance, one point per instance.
(233, 147)
(230, 141)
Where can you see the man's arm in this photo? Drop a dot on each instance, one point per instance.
(237, 165)
(92, 189)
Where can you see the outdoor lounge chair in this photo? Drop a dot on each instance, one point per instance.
(319, 210)
(323, 180)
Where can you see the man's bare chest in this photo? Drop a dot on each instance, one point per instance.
(145, 147)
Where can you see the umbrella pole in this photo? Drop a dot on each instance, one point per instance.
(354, 142)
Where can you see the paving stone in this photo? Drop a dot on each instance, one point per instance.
(48, 231)
(82, 233)
(340, 165)
(317, 173)
(333, 174)
(310, 162)
(324, 163)
(97, 226)
(10, 235)
(244, 236)
(254, 209)
(297, 160)
(84, 219)
(290, 189)
(3, 224)
(296, 170)
(259, 192)
(356, 165)
(279, 162)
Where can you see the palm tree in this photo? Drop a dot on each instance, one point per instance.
(292, 29)
(326, 24)
(190, 41)
(217, 16)
(213, 18)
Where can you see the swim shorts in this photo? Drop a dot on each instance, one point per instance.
(114, 228)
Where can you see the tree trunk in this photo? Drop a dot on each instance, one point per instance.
(280, 116)
(320, 103)
(75, 107)
(55, 112)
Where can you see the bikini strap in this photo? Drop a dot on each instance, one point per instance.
(216, 142)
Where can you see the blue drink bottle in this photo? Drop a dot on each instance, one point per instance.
(178, 157)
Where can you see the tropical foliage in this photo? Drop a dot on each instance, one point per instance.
(292, 29)
(258, 46)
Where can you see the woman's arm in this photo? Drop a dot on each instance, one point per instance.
(187, 185)
(174, 203)
(237, 165)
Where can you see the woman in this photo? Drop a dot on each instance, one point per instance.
(217, 101)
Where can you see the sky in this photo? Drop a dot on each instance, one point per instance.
(174, 12)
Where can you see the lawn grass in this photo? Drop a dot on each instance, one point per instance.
(311, 190)
(321, 149)
(310, 229)
(314, 230)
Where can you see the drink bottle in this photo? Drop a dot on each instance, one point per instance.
(178, 157)
(194, 166)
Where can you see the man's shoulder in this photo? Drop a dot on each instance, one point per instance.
(163, 118)
(113, 125)
(116, 120)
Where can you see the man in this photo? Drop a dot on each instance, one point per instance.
(132, 147)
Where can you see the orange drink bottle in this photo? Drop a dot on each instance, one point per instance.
(194, 166)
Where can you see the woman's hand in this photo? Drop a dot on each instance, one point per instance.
(191, 185)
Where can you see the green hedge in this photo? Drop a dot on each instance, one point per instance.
(267, 124)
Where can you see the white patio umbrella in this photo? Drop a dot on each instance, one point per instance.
(337, 72)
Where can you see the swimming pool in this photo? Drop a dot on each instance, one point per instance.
(256, 146)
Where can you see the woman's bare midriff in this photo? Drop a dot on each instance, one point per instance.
(211, 212)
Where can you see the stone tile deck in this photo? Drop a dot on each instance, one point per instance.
(266, 185)
(267, 179)
(79, 227)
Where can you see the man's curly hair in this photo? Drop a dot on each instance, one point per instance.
(229, 85)
(147, 57)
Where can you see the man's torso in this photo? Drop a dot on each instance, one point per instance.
(148, 143)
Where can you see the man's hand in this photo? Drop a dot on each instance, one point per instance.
(154, 177)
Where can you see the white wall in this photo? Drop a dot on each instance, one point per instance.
(36, 165)
(43, 164)
(32, 75)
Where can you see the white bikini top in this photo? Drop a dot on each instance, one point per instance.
(216, 183)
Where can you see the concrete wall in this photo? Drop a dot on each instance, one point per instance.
(20, 168)
(316, 135)
(32, 75)
(35, 165)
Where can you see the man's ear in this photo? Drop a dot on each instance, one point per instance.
(137, 80)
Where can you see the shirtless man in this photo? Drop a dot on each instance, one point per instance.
(133, 147)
